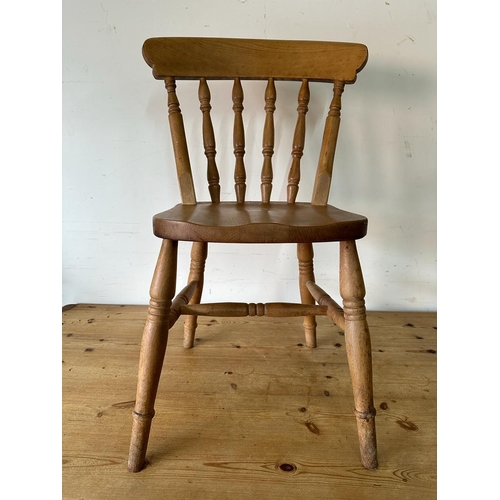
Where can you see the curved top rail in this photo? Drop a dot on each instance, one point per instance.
(228, 58)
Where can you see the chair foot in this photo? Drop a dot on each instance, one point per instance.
(190, 325)
(310, 331)
(367, 438)
(139, 442)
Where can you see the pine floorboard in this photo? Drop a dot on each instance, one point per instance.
(248, 398)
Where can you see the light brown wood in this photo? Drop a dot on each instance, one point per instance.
(209, 142)
(255, 222)
(181, 299)
(153, 346)
(324, 171)
(305, 255)
(199, 252)
(193, 58)
(239, 142)
(335, 312)
(299, 138)
(268, 142)
(359, 352)
(212, 441)
(179, 144)
(235, 309)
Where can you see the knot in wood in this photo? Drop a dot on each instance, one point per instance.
(286, 467)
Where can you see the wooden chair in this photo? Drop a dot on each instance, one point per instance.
(262, 221)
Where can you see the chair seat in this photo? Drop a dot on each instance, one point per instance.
(255, 222)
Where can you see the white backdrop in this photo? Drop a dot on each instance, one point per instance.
(117, 169)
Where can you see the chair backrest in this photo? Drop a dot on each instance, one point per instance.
(205, 59)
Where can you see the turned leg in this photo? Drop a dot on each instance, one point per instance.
(153, 346)
(358, 346)
(199, 252)
(305, 255)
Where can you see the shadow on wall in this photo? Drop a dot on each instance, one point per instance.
(393, 130)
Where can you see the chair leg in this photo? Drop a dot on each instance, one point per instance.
(358, 346)
(199, 253)
(305, 255)
(153, 347)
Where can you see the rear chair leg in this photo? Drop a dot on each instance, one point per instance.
(153, 347)
(199, 253)
(305, 255)
(358, 346)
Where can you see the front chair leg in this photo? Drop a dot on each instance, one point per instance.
(305, 255)
(153, 347)
(199, 253)
(358, 346)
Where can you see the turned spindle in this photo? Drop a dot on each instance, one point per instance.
(305, 255)
(181, 154)
(268, 142)
(209, 141)
(239, 142)
(299, 138)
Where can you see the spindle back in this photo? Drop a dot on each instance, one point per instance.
(203, 59)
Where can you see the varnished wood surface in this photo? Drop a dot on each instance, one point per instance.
(254, 222)
(268, 142)
(240, 222)
(248, 398)
(255, 59)
(324, 171)
(299, 138)
(209, 141)
(179, 144)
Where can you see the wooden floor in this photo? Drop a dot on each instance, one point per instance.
(246, 400)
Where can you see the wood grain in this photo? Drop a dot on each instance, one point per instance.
(359, 351)
(268, 142)
(305, 256)
(193, 58)
(240, 222)
(209, 142)
(238, 309)
(181, 153)
(299, 138)
(323, 180)
(153, 347)
(199, 252)
(213, 441)
(239, 142)
(334, 311)
(255, 222)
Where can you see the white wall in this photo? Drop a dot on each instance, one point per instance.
(117, 169)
